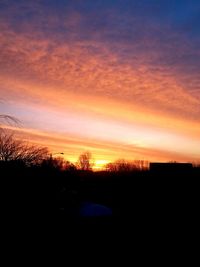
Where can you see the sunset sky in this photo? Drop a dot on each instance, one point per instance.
(118, 78)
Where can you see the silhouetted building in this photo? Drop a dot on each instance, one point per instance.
(170, 167)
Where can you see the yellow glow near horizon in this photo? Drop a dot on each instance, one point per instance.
(102, 152)
(100, 164)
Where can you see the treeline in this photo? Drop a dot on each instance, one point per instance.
(20, 152)
(40, 191)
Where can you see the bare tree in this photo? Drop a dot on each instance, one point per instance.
(12, 149)
(85, 161)
(9, 119)
(58, 163)
(122, 165)
(141, 164)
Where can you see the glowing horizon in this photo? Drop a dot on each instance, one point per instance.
(119, 80)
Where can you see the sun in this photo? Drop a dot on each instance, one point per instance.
(99, 164)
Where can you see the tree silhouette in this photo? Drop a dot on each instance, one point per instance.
(12, 149)
(58, 163)
(9, 119)
(121, 165)
(85, 161)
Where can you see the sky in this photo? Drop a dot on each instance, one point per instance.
(118, 78)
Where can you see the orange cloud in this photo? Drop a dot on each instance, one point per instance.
(89, 80)
(77, 68)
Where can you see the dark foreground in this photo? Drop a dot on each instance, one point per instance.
(75, 202)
